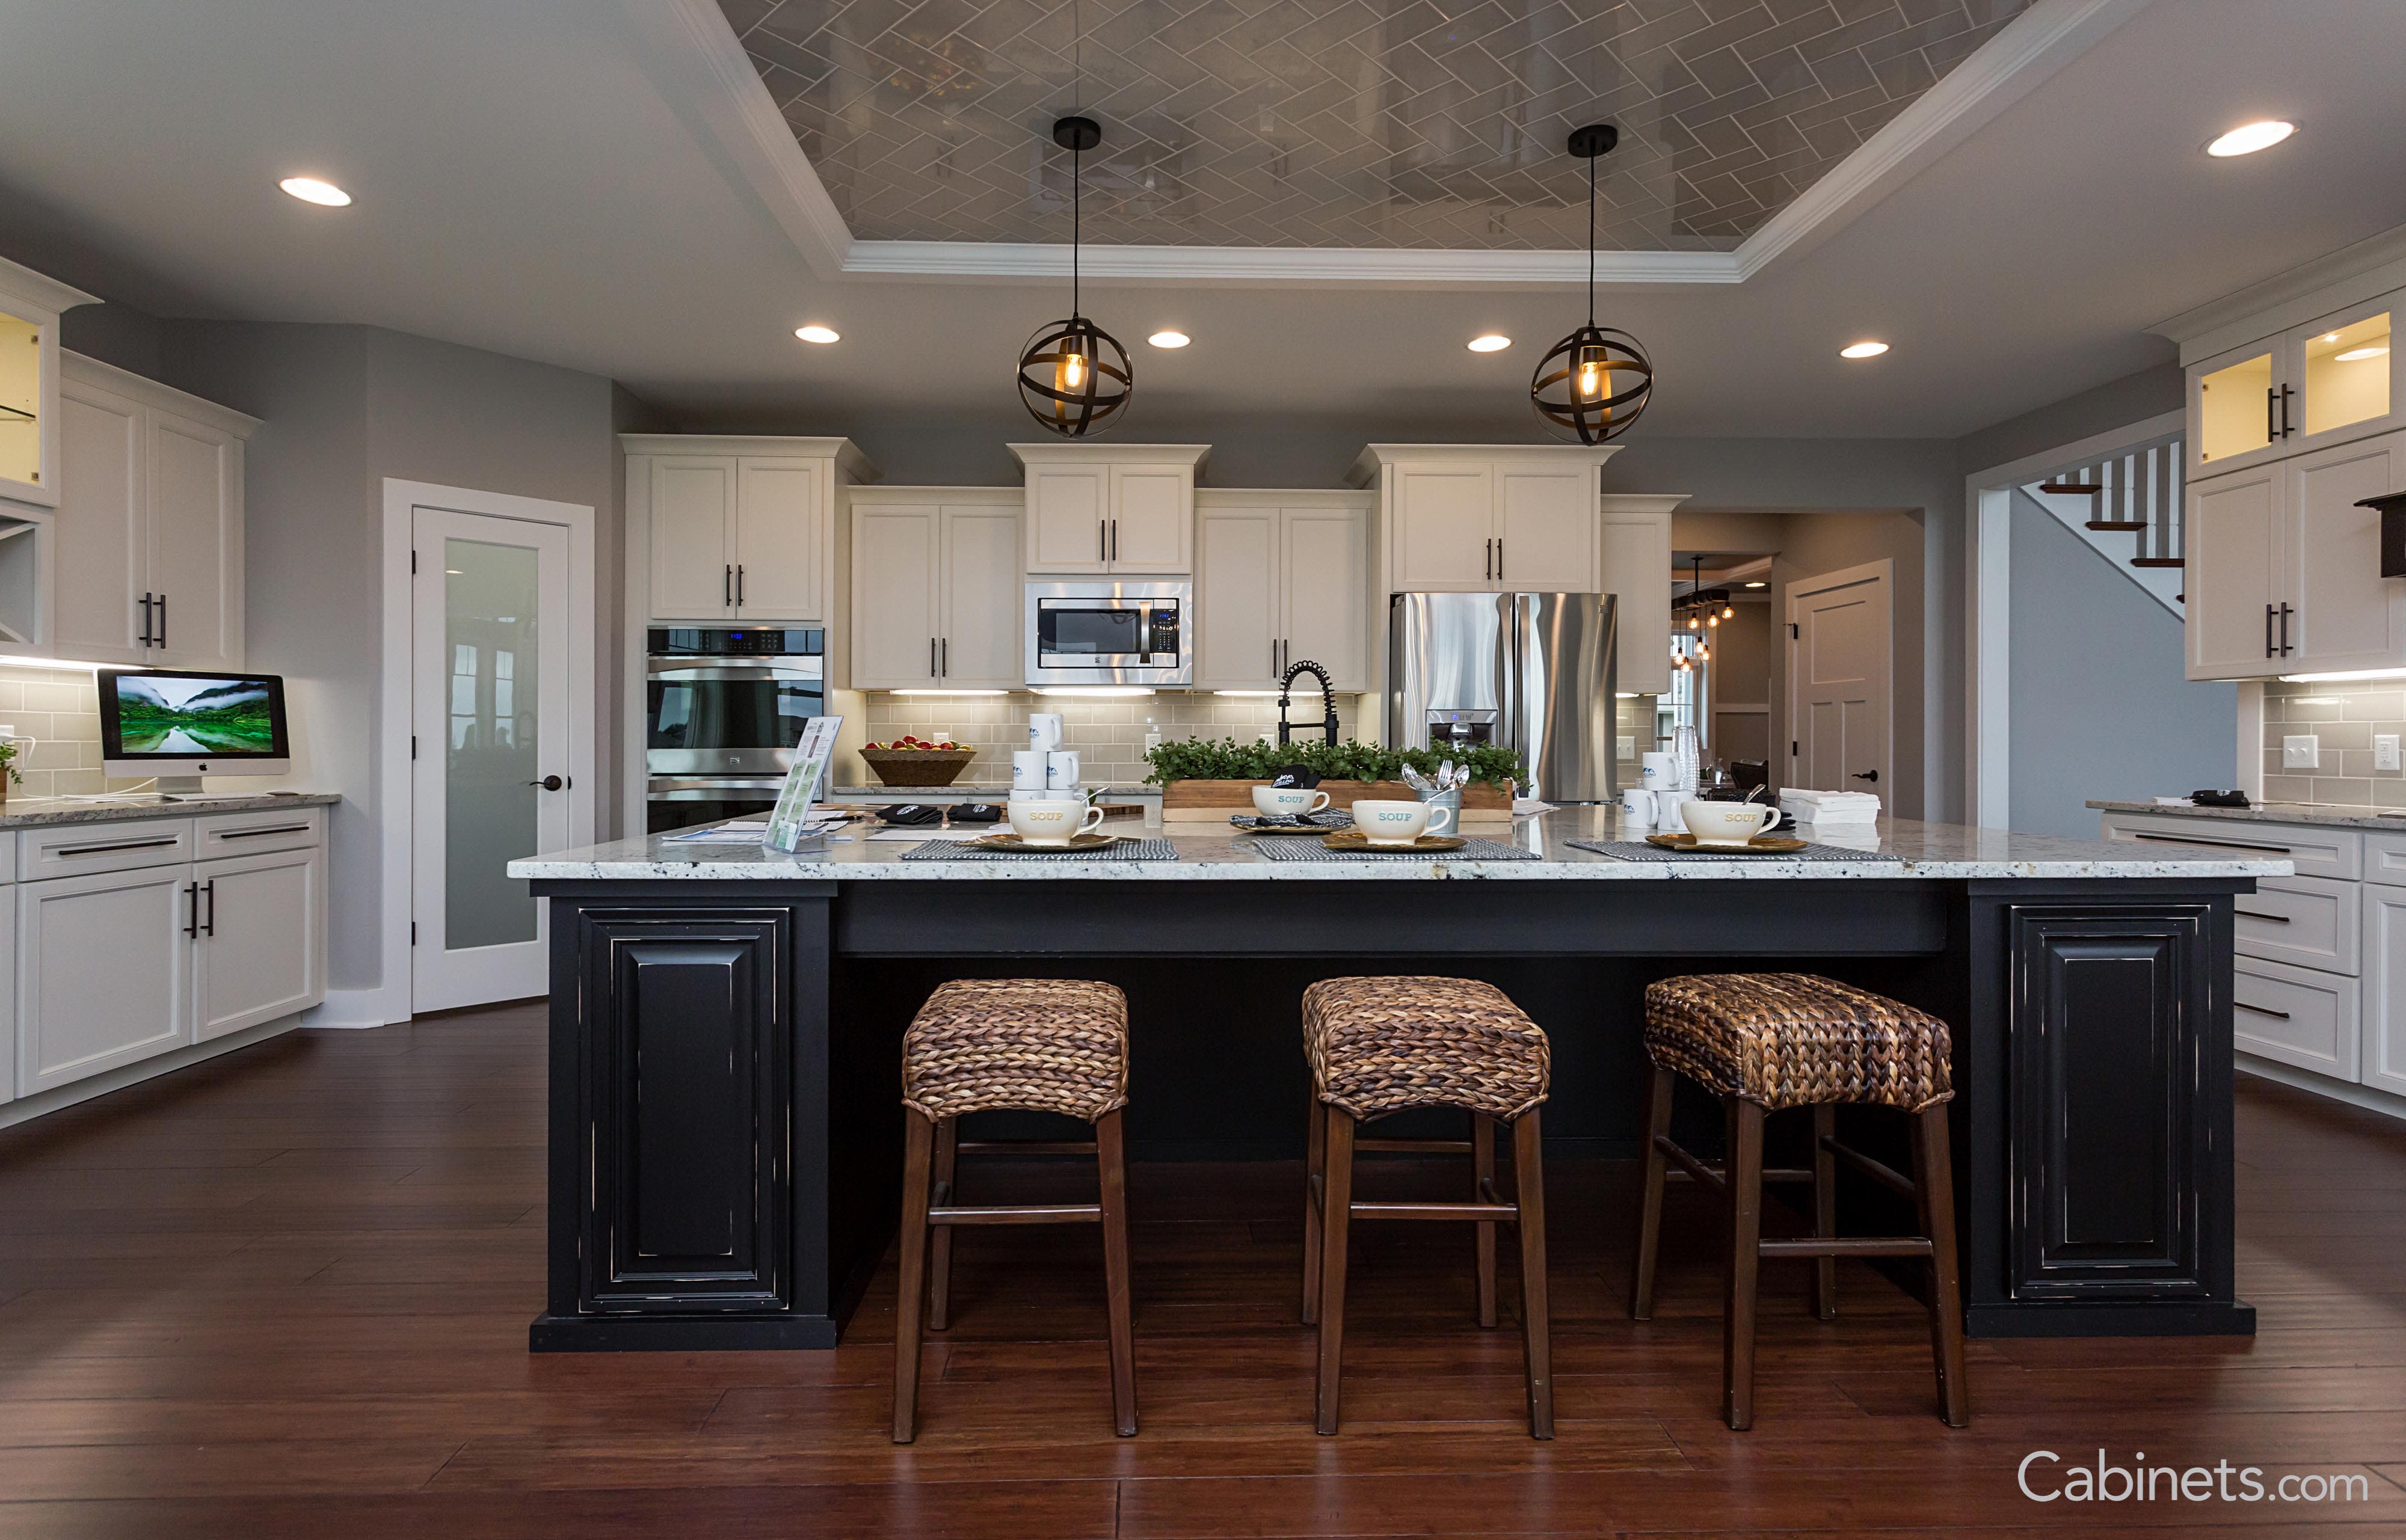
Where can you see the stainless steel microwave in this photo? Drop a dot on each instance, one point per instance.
(1110, 633)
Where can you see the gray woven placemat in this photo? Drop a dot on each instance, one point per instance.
(1327, 818)
(1312, 850)
(1118, 849)
(1637, 850)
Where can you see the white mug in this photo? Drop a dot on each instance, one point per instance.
(1637, 806)
(1383, 823)
(1053, 822)
(1028, 770)
(1658, 771)
(1044, 732)
(1286, 801)
(1727, 823)
(1061, 770)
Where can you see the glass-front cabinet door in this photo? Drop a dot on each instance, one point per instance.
(2347, 376)
(2238, 405)
(2331, 382)
(29, 383)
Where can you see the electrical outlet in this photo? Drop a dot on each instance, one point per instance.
(2384, 750)
(2302, 751)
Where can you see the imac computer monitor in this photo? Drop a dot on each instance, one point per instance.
(181, 725)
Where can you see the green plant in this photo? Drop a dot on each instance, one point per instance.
(9, 760)
(1201, 759)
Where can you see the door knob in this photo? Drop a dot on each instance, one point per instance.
(549, 783)
(1867, 775)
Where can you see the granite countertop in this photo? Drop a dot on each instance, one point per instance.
(2334, 815)
(33, 811)
(992, 791)
(1898, 848)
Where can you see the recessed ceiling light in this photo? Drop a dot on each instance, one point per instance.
(818, 334)
(2354, 353)
(2247, 138)
(309, 190)
(1754, 585)
(1493, 342)
(1169, 339)
(1862, 350)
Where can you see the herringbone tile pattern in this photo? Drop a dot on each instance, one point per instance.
(1343, 123)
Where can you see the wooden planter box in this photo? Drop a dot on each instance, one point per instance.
(1211, 801)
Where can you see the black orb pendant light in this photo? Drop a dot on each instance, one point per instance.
(1074, 378)
(1591, 385)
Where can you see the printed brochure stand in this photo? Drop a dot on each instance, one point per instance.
(788, 822)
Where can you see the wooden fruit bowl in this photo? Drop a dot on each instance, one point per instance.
(918, 767)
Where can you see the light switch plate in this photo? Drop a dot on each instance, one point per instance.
(2384, 750)
(1625, 746)
(2302, 751)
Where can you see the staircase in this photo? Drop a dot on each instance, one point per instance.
(2135, 494)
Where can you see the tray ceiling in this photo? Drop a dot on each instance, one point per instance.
(1347, 123)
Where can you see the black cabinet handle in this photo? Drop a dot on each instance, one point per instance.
(2260, 914)
(2271, 398)
(726, 584)
(2287, 428)
(2201, 839)
(2276, 1015)
(549, 783)
(146, 620)
(1499, 558)
(2268, 630)
(114, 844)
(2285, 648)
(1115, 540)
(943, 656)
(1102, 540)
(210, 889)
(739, 584)
(192, 926)
(163, 619)
(931, 657)
(275, 829)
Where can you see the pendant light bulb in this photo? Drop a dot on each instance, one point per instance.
(1073, 372)
(1729, 612)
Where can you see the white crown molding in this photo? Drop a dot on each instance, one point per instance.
(150, 392)
(2374, 265)
(701, 61)
(1062, 453)
(39, 288)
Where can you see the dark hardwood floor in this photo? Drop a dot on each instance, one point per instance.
(288, 1293)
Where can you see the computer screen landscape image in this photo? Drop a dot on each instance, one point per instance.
(184, 716)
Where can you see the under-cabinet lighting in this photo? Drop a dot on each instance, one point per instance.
(948, 692)
(2317, 699)
(309, 190)
(2249, 139)
(2337, 678)
(1862, 350)
(1247, 693)
(2354, 353)
(1095, 692)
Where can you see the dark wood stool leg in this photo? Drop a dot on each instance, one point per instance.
(1111, 1164)
(1482, 1166)
(1745, 1178)
(1315, 1166)
(1825, 1210)
(939, 1266)
(1649, 1212)
(918, 1139)
(1934, 1188)
(1337, 1212)
(1530, 1181)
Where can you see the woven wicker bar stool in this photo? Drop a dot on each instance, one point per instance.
(1379, 1046)
(1764, 1042)
(1045, 1045)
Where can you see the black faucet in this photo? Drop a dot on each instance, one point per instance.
(1327, 698)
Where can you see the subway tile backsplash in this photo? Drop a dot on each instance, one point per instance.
(58, 711)
(1108, 735)
(2344, 717)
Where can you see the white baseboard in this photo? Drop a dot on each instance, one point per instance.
(352, 1008)
(26, 1109)
(2323, 1085)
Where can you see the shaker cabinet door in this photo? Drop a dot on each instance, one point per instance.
(262, 939)
(1323, 589)
(101, 539)
(2347, 614)
(980, 639)
(693, 566)
(894, 590)
(1445, 526)
(1066, 513)
(195, 499)
(2233, 578)
(776, 555)
(104, 972)
(2382, 1061)
(1152, 515)
(1237, 598)
(1545, 529)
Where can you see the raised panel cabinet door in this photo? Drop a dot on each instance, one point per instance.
(262, 948)
(693, 537)
(1066, 513)
(101, 540)
(1445, 527)
(1322, 589)
(104, 972)
(2382, 1057)
(1236, 599)
(2110, 1020)
(1546, 529)
(1152, 515)
(2233, 578)
(894, 589)
(195, 496)
(777, 574)
(1634, 551)
(2348, 615)
(688, 1094)
(982, 589)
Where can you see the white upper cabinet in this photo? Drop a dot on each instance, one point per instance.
(30, 306)
(2329, 380)
(1126, 508)
(736, 529)
(146, 548)
(2233, 578)
(935, 588)
(1281, 581)
(1546, 528)
(1633, 562)
(1443, 524)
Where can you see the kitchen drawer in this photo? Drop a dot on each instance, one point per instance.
(70, 850)
(8, 855)
(2316, 851)
(2297, 1015)
(2385, 859)
(258, 832)
(2311, 922)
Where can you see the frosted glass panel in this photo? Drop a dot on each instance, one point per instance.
(21, 399)
(2234, 409)
(490, 613)
(2347, 375)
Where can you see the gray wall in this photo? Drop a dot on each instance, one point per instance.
(2115, 404)
(2099, 705)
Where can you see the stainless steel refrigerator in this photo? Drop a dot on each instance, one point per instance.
(1531, 671)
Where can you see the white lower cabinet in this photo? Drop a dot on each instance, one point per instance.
(104, 972)
(2296, 1015)
(2381, 1062)
(261, 950)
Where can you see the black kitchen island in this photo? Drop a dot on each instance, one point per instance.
(725, 1024)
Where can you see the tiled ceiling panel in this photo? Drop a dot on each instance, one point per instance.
(1342, 122)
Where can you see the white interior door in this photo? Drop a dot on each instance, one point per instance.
(1840, 657)
(489, 711)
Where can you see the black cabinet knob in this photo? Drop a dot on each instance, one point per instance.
(549, 783)
(1867, 775)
